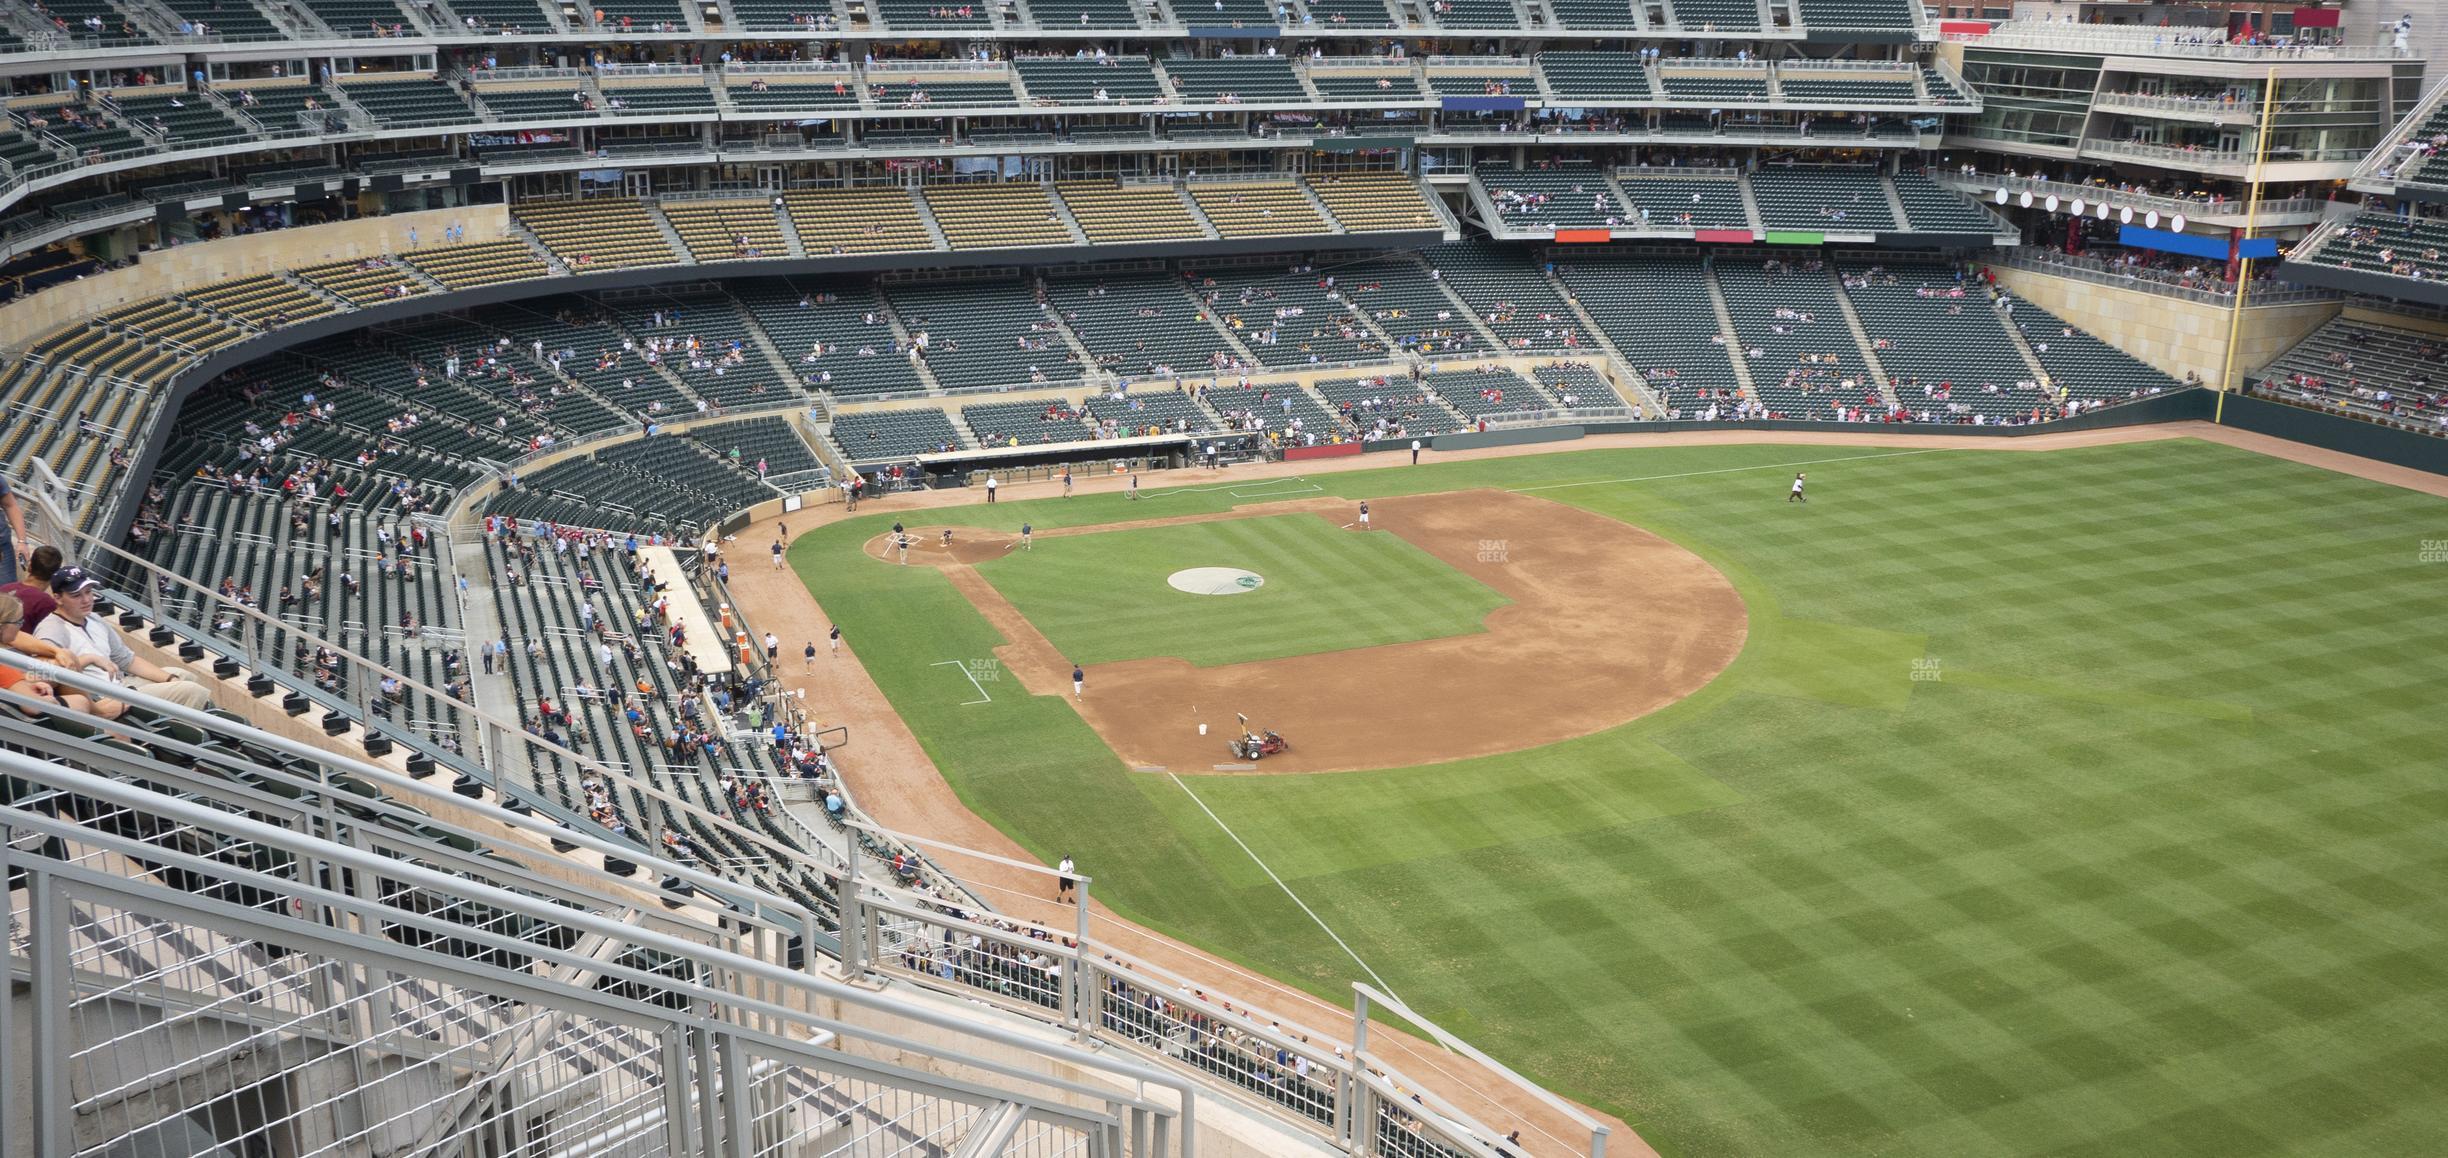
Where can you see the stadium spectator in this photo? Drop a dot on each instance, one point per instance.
(14, 545)
(73, 625)
(34, 591)
(12, 619)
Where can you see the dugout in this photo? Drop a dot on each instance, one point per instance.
(955, 468)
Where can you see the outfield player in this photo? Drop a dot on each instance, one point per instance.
(1795, 495)
(1026, 537)
(1079, 683)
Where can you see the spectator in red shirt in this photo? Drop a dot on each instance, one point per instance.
(34, 591)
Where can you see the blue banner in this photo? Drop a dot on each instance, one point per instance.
(2212, 248)
(1483, 104)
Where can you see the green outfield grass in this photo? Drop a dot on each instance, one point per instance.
(1103, 597)
(2151, 859)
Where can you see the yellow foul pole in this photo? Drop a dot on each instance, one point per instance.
(2252, 218)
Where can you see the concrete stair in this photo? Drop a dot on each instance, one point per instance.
(1861, 338)
(1651, 403)
(1733, 344)
(790, 233)
(1062, 212)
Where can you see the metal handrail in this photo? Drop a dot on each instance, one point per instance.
(2102, 274)
(2210, 44)
(1984, 183)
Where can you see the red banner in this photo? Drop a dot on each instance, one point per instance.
(1328, 450)
(1585, 236)
(1963, 28)
(2317, 17)
(1727, 236)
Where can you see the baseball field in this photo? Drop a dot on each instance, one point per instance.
(2083, 801)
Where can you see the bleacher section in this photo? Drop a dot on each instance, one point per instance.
(1657, 312)
(189, 120)
(1237, 80)
(1597, 14)
(984, 333)
(1278, 409)
(1375, 202)
(687, 98)
(836, 336)
(1945, 350)
(1112, 214)
(410, 103)
(1807, 363)
(789, 94)
(1685, 202)
(1934, 208)
(1486, 392)
(1849, 93)
(865, 219)
(1401, 300)
(1380, 407)
(773, 442)
(877, 436)
(1291, 320)
(1558, 196)
(1840, 15)
(1140, 414)
(597, 234)
(2377, 372)
(1715, 15)
(364, 283)
(1576, 386)
(468, 266)
(1001, 215)
(1509, 296)
(1141, 325)
(2385, 244)
(1258, 209)
(1075, 80)
(1596, 77)
(727, 230)
(1024, 423)
(1822, 198)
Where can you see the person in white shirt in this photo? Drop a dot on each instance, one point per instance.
(1062, 891)
(75, 628)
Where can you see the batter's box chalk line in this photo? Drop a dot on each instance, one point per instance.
(973, 682)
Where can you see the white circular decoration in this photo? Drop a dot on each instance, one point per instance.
(2103, 211)
(2079, 207)
(2177, 224)
(1216, 581)
(2027, 199)
(2151, 219)
(2001, 196)
(2052, 203)
(2125, 215)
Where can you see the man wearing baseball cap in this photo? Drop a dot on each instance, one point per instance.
(74, 627)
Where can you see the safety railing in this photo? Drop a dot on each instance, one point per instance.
(2193, 44)
(205, 928)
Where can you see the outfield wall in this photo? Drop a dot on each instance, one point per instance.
(2174, 406)
(2329, 430)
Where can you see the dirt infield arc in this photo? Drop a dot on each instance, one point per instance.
(1607, 623)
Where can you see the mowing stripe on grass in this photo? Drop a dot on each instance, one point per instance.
(1279, 883)
(1727, 470)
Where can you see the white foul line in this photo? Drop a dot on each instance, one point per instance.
(1257, 487)
(1732, 469)
(1279, 883)
(981, 688)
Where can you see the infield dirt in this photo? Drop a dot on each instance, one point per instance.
(1607, 623)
